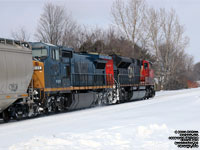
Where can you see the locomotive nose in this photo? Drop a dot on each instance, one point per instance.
(38, 75)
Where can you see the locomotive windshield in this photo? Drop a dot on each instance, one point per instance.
(39, 52)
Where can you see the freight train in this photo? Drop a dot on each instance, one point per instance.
(41, 78)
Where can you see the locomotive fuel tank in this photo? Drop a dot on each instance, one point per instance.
(15, 71)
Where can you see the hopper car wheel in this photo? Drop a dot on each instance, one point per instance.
(6, 116)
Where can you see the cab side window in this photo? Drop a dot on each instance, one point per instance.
(145, 65)
(68, 71)
(66, 54)
(55, 55)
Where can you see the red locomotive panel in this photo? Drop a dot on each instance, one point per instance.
(144, 71)
(147, 73)
(151, 76)
(109, 72)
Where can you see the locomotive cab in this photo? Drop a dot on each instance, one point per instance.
(144, 71)
(147, 73)
(51, 66)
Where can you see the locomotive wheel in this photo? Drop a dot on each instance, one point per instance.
(18, 117)
(5, 115)
(46, 112)
(98, 102)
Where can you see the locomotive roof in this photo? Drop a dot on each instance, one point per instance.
(41, 44)
(35, 44)
(66, 48)
(97, 56)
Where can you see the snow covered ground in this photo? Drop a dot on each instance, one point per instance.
(141, 125)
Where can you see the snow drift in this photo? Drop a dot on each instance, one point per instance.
(140, 125)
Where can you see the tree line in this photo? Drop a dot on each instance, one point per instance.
(137, 31)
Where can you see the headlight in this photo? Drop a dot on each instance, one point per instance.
(37, 67)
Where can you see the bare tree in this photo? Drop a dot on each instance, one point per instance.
(58, 27)
(109, 41)
(168, 42)
(196, 71)
(130, 19)
(93, 39)
(20, 34)
(71, 34)
(51, 25)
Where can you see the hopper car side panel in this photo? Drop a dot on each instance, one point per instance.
(16, 72)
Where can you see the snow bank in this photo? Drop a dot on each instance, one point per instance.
(141, 125)
(119, 137)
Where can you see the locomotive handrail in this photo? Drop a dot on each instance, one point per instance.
(90, 79)
(148, 80)
(91, 74)
(124, 79)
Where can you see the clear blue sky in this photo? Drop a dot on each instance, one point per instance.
(26, 13)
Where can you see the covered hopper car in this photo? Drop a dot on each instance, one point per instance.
(15, 72)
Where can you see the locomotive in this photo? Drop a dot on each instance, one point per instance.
(39, 78)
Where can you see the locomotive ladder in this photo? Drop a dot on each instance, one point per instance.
(116, 90)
